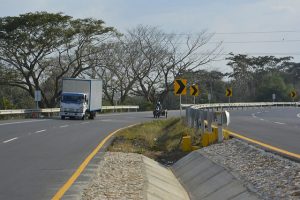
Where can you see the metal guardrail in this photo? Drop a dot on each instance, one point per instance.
(202, 116)
(54, 110)
(239, 105)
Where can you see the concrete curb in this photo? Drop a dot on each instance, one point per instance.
(204, 179)
(161, 183)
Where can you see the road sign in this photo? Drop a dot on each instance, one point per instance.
(194, 90)
(180, 86)
(228, 92)
(293, 94)
(37, 95)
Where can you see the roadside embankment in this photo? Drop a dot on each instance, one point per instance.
(268, 175)
(133, 176)
(229, 170)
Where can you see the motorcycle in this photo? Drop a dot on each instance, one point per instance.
(156, 113)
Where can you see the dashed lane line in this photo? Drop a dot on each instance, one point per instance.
(64, 126)
(280, 123)
(40, 131)
(12, 139)
(298, 115)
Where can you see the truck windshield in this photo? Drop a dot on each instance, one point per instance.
(72, 98)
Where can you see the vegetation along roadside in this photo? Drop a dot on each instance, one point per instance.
(158, 139)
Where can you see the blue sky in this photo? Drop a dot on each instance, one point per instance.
(280, 18)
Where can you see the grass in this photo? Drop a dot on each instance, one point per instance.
(159, 140)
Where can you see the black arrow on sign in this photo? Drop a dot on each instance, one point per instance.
(195, 90)
(293, 94)
(228, 92)
(181, 87)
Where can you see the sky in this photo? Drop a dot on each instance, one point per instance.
(254, 27)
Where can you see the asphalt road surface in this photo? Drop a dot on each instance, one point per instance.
(279, 127)
(39, 156)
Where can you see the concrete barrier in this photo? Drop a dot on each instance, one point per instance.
(203, 179)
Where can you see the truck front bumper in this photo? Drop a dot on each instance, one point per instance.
(71, 114)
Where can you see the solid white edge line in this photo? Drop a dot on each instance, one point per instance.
(22, 122)
(6, 141)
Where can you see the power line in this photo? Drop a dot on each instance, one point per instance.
(257, 32)
(261, 53)
(258, 41)
(239, 33)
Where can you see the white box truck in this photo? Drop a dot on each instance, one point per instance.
(80, 98)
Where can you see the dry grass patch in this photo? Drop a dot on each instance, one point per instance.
(159, 140)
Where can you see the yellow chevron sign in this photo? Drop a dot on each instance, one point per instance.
(194, 91)
(180, 86)
(293, 94)
(228, 92)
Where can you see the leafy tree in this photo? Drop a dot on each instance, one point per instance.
(273, 84)
(250, 74)
(38, 49)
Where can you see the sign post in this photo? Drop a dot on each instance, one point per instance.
(273, 97)
(209, 97)
(180, 89)
(37, 97)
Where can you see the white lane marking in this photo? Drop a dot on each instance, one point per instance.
(298, 115)
(253, 115)
(279, 123)
(40, 131)
(22, 122)
(63, 126)
(262, 119)
(258, 112)
(107, 120)
(84, 122)
(6, 141)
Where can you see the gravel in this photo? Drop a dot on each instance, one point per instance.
(270, 176)
(119, 176)
(122, 175)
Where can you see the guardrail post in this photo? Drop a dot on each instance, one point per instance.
(202, 123)
(209, 121)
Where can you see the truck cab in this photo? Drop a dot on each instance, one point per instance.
(73, 105)
(80, 98)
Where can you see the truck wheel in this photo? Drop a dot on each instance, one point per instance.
(92, 115)
(62, 117)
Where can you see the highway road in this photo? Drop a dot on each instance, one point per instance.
(39, 156)
(279, 127)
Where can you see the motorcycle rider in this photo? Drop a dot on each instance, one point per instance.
(158, 106)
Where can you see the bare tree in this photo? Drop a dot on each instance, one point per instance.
(167, 56)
